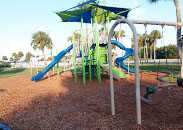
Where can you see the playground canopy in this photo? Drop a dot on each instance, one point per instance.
(93, 9)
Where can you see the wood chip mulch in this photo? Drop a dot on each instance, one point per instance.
(59, 103)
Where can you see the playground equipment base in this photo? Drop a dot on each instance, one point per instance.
(60, 103)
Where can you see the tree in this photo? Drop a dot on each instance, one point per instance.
(140, 43)
(4, 58)
(77, 39)
(49, 59)
(154, 36)
(20, 54)
(15, 56)
(40, 40)
(11, 59)
(178, 14)
(169, 52)
(69, 39)
(28, 56)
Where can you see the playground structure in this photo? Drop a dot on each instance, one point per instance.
(92, 62)
(92, 55)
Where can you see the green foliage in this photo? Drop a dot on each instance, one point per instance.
(117, 36)
(15, 56)
(42, 59)
(11, 59)
(77, 36)
(171, 52)
(20, 54)
(49, 59)
(4, 58)
(4, 64)
(28, 56)
(40, 40)
(69, 39)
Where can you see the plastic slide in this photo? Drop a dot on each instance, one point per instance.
(128, 53)
(52, 64)
(116, 73)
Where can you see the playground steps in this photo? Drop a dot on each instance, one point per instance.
(93, 68)
(116, 73)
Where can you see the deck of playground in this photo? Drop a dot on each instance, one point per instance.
(59, 103)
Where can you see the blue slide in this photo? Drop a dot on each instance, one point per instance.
(52, 64)
(128, 53)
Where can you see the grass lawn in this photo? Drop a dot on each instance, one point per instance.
(170, 68)
(21, 71)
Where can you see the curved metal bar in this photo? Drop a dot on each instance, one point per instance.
(136, 60)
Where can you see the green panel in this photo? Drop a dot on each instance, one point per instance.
(101, 15)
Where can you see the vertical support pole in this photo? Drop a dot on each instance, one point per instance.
(74, 57)
(89, 56)
(58, 71)
(136, 60)
(128, 65)
(97, 48)
(37, 65)
(82, 49)
(31, 64)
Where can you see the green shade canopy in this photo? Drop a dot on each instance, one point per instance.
(93, 10)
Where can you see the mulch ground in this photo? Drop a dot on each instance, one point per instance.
(59, 103)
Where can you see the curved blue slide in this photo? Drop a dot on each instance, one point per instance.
(128, 53)
(52, 64)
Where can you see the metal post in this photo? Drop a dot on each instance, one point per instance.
(136, 60)
(58, 71)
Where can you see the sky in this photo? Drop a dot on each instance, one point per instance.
(19, 19)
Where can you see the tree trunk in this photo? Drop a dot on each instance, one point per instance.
(146, 49)
(176, 2)
(45, 63)
(144, 53)
(151, 52)
(154, 51)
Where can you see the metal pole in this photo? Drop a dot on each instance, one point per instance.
(58, 71)
(136, 60)
(156, 23)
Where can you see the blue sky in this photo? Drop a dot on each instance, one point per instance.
(19, 19)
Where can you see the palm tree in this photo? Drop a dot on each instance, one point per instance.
(118, 35)
(154, 36)
(149, 43)
(77, 39)
(178, 13)
(145, 36)
(69, 39)
(40, 40)
(20, 55)
(15, 56)
(140, 43)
